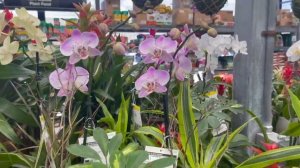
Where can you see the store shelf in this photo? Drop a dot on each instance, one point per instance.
(281, 49)
(283, 29)
(167, 28)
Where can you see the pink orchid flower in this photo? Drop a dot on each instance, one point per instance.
(152, 81)
(192, 41)
(182, 65)
(158, 50)
(70, 79)
(80, 46)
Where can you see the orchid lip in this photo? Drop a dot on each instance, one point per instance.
(150, 87)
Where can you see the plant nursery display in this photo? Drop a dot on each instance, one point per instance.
(80, 102)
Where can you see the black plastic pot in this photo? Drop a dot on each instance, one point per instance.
(296, 8)
(209, 7)
(146, 4)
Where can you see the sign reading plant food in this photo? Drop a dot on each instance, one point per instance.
(42, 4)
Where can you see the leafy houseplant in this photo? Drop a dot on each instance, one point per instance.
(115, 158)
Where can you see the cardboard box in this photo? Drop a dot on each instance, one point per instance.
(202, 17)
(285, 18)
(163, 18)
(110, 6)
(151, 18)
(183, 16)
(141, 19)
(223, 18)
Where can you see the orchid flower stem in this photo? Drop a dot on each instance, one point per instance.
(260, 125)
(116, 28)
(166, 96)
(91, 65)
(166, 119)
(204, 73)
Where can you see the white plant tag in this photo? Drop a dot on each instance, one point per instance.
(156, 153)
(91, 142)
(136, 116)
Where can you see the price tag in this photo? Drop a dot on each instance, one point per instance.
(156, 153)
(91, 142)
(136, 116)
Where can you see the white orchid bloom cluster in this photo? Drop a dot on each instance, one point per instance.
(293, 53)
(211, 48)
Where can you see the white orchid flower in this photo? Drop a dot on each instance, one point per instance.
(8, 50)
(45, 53)
(293, 53)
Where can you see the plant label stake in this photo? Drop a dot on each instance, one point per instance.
(136, 113)
(156, 153)
(88, 124)
(92, 143)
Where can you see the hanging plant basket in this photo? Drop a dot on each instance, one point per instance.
(296, 8)
(146, 4)
(209, 7)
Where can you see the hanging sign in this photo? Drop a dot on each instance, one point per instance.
(57, 5)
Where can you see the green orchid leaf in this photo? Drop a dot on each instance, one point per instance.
(115, 143)
(187, 125)
(269, 158)
(83, 151)
(101, 137)
(13, 159)
(12, 71)
(136, 158)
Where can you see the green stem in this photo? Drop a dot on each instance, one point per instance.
(261, 126)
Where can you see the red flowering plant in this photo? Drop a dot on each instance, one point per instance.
(226, 84)
(284, 78)
(266, 147)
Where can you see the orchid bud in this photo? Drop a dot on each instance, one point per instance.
(119, 48)
(103, 28)
(175, 33)
(212, 32)
(203, 24)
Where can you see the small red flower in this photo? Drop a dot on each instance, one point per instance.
(152, 32)
(269, 147)
(287, 74)
(227, 78)
(162, 127)
(8, 15)
(221, 90)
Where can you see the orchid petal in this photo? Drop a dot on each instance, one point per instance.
(148, 59)
(7, 59)
(62, 93)
(74, 59)
(166, 44)
(76, 35)
(94, 52)
(180, 75)
(185, 64)
(66, 47)
(162, 77)
(55, 78)
(147, 46)
(160, 89)
(143, 93)
(90, 39)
